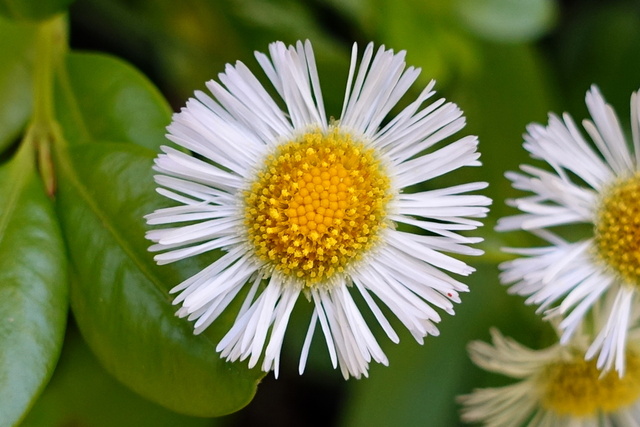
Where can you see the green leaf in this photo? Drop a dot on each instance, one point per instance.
(15, 79)
(508, 20)
(33, 288)
(81, 393)
(120, 296)
(102, 98)
(31, 10)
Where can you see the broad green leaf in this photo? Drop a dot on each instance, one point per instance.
(102, 98)
(508, 20)
(82, 393)
(120, 296)
(33, 288)
(31, 10)
(15, 78)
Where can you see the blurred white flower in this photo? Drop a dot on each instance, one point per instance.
(302, 204)
(556, 387)
(596, 184)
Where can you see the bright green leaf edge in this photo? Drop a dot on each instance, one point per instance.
(33, 288)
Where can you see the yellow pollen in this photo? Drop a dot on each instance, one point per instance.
(317, 205)
(617, 229)
(577, 388)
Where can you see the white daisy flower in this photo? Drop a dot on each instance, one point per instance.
(596, 184)
(556, 387)
(302, 204)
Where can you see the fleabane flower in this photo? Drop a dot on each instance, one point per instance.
(302, 204)
(597, 184)
(556, 387)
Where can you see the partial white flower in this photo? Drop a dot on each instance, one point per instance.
(556, 387)
(302, 204)
(598, 184)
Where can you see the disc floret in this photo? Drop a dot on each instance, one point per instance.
(317, 205)
(617, 229)
(578, 388)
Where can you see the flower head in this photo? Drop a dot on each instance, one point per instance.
(596, 184)
(557, 387)
(299, 204)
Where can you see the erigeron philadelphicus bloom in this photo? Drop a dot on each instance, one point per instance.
(300, 204)
(596, 184)
(556, 387)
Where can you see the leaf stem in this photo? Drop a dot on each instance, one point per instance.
(43, 129)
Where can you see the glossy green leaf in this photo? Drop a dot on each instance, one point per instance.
(31, 10)
(82, 393)
(508, 20)
(102, 98)
(15, 79)
(120, 296)
(33, 288)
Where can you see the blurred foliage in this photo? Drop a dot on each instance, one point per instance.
(32, 10)
(510, 21)
(505, 62)
(598, 44)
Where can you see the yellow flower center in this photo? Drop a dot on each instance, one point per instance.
(317, 205)
(617, 229)
(576, 388)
